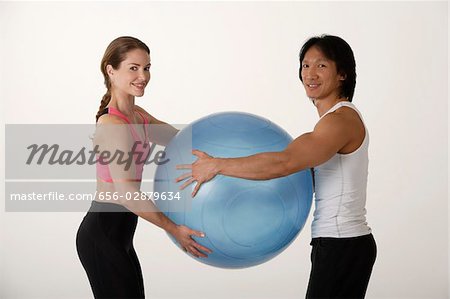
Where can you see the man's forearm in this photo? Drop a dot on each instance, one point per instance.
(261, 166)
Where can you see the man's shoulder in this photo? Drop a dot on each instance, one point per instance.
(344, 116)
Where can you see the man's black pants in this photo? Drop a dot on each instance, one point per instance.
(341, 267)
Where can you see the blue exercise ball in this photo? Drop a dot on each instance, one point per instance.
(246, 222)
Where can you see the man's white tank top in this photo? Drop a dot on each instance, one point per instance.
(340, 191)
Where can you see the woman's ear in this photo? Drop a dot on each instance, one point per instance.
(342, 77)
(109, 70)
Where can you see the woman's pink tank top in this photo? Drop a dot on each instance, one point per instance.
(142, 146)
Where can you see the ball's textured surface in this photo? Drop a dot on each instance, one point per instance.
(246, 222)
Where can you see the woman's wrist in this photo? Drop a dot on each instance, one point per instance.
(170, 227)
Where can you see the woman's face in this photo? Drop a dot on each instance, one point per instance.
(319, 75)
(133, 74)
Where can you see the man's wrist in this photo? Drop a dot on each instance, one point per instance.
(219, 165)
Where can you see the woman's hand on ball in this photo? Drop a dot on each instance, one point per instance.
(203, 170)
(184, 234)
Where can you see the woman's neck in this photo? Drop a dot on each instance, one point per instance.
(124, 104)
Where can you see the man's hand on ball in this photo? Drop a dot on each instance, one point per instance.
(203, 170)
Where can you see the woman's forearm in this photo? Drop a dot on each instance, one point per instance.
(146, 209)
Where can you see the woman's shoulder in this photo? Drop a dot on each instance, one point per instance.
(110, 119)
(142, 110)
(148, 116)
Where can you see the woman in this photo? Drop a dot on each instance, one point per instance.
(105, 237)
(343, 248)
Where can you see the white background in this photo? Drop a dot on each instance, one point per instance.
(218, 56)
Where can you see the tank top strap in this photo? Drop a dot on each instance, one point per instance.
(332, 109)
(116, 112)
(143, 117)
(352, 106)
(145, 125)
(343, 104)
